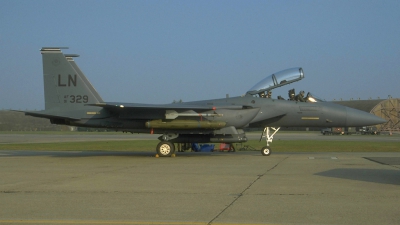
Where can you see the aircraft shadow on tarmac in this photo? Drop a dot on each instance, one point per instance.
(383, 176)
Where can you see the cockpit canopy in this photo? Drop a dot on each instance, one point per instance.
(277, 80)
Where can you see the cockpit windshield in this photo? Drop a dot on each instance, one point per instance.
(313, 98)
(277, 80)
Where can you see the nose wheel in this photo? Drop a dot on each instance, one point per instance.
(266, 150)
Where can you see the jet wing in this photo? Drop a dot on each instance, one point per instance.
(177, 106)
(162, 111)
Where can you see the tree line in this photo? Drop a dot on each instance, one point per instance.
(17, 121)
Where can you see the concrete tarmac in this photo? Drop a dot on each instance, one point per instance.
(45, 187)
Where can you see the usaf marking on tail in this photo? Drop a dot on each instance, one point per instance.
(72, 100)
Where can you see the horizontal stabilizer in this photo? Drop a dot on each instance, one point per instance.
(53, 48)
(44, 114)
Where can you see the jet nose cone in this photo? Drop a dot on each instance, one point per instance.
(360, 118)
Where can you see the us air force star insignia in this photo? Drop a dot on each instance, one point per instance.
(56, 62)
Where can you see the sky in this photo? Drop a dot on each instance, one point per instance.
(161, 51)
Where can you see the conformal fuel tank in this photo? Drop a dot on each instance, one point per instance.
(184, 124)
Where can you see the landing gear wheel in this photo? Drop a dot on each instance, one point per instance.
(266, 151)
(165, 148)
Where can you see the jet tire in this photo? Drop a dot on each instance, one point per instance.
(266, 151)
(165, 149)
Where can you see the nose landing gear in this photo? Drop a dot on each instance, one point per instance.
(266, 150)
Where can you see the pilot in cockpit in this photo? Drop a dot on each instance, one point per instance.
(263, 95)
(292, 95)
(269, 94)
(300, 97)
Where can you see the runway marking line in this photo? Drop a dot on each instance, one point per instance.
(333, 157)
(115, 222)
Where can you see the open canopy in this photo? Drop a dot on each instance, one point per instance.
(277, 80)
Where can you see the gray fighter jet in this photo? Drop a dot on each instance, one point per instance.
(70, 99)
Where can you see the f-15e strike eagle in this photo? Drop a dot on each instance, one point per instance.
(70, 99)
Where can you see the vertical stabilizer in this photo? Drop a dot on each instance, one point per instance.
(65, 86)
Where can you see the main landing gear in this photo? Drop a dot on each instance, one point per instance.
(266, 150)
(165, 148)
